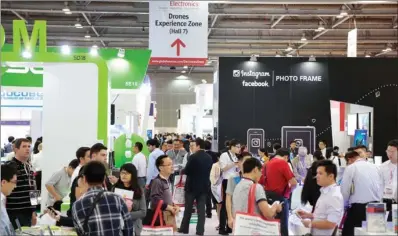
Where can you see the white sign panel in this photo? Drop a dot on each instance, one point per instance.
(21, 97)
(178, 32)
(352, 43)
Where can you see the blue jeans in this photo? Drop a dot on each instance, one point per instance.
(284, 219)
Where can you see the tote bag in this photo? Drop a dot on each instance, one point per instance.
(179, 192)
(248, 223)
(157, 230)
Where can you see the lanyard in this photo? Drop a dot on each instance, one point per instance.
(32, 182)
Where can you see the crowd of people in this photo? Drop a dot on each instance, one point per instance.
(334, 185)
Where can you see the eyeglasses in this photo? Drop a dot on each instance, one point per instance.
(125, 173)
(13, 182)
(167, 165)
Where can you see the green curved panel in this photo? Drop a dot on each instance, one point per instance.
(120, 149)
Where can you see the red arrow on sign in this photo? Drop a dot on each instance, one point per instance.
(178, 43)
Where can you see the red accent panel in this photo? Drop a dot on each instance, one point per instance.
(342, 116)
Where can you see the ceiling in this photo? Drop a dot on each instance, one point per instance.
(236, 28)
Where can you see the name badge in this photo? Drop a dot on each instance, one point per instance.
(388, 190)
(34, 198)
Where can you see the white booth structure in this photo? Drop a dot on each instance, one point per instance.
(198, 118)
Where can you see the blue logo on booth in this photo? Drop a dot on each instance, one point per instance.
(14, 95)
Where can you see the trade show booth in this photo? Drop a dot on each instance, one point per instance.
(269, 93)
(64, 95)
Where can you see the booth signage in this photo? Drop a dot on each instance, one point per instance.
(178, 32)
(124, 73)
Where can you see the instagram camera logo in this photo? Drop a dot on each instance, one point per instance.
(236, 73)
(299, 142)
(255, 142)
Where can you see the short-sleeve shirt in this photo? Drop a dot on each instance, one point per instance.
(241, 195)
(61, 182)
(232, 182)
(278, 175)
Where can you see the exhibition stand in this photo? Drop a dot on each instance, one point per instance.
(269, 93)
(65, 96)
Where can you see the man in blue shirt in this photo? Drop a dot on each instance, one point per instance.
(153, 146)
(8, 183)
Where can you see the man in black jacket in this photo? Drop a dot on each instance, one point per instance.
(197, 186)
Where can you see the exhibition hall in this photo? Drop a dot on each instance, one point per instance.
(174, 117)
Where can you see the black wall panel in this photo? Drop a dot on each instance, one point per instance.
(299, 101)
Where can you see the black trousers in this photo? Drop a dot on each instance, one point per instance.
(24, 217)
(355, 215)
(389, 203)
(200, 206)
(223, 212)
(209, 205)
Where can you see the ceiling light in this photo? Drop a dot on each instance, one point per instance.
(94, 51)
(65, 49)
(204, 81)
(183, 72)
(277, 54)
(66, 9)
(312, 58)
(303, 38)
(27, 54)
(78, 25)
(289, 48)
(343, 12)
(68, 12)
(320, 27)
(87, 36)
(185, 67)
(121, 52)
(388, 48)
(367, 55)
(289, 55)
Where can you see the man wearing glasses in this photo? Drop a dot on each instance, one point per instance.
(229, 166)
(8, 183)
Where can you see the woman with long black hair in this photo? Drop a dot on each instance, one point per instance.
(129, 181)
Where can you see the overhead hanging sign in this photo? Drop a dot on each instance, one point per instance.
(178, 32)
(352, 43)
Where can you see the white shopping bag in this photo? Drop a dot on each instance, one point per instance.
(251, 224)
(179, 192)
(157, 230)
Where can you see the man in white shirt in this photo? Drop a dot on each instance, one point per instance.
(329, 208)
(389, 174)
(229, 167)
(83, 155)
(361, 184)
(362, 151)
(139, 161)
(322, 147)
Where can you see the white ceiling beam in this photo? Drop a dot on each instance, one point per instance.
(277, 21)
(213, 22)
(93, 28)
(19, 16)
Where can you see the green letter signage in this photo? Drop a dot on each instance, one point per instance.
(39, 32)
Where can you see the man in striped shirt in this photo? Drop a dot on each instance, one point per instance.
(19, 204)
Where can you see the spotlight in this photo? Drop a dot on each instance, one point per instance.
(277, 54)
(87, 36)
(289, 48)
(121, 52)
(204, 81)
(94, 51)
(185, 67)
(27, 54)
(183, 72)
(312, 58)
(254, 57)
(65, 49)
(303, 38)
